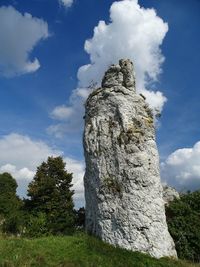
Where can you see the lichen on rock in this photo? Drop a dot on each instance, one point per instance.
(124, 204)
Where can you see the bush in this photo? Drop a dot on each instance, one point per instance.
(36, 225)
(183, 217)
(13, 224)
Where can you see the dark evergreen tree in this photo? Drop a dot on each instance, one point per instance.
(50, 193)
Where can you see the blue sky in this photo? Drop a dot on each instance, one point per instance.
(36, 96)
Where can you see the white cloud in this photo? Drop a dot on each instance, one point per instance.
(182, 168)
(19, 34)
(78, 170)
(133, 32)
(61, 112)
(18, 174)
(20, 156)
(22, 151)
(66, 3)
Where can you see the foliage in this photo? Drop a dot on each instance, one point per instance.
(51, 194)
(10, 205)
(75, 251)
(80, 217)
(7, 183)
(37, 225)
(13, 224)
(9, 201)
(183, 216)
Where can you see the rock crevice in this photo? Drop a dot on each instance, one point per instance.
(123, 192)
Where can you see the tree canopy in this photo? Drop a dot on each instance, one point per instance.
(10, 204)
(9, 201)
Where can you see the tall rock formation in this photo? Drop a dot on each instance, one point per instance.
(123, 192)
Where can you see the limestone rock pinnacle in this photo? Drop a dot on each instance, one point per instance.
(124, 204)
(120, 75)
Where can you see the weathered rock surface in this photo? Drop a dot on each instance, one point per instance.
(123, 192)
(169, 194)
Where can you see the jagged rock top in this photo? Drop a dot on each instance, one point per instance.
(121, 74)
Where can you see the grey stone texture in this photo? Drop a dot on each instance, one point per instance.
(169, 194)
(124, 204)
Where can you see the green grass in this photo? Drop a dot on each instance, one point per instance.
(74, 251)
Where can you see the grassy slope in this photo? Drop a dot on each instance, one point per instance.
(72, 251)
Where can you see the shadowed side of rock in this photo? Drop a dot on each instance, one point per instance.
(123, 192)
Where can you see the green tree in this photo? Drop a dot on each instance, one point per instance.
(10, 204)
(51, 194)
(183, 217)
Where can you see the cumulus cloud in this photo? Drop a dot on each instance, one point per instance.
(62, 112)
(133, 32)
(78, 170)
(19, 34)
(66, 3)
(182, 168)
(20, 156)
(22, 151)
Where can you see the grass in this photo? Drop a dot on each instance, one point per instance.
(74, 251)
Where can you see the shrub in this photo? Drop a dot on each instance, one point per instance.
(36, 225)
(13, 224)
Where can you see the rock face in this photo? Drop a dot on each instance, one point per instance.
(169, 194)
(123, 192)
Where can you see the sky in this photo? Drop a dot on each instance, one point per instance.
(53, 51)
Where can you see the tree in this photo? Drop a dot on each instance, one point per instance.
(10, 204)
(51, 194)
(183, 218)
